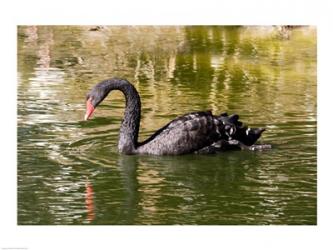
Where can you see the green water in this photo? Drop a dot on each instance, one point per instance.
(69, 171)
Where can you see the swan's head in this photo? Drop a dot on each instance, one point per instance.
(94, 98)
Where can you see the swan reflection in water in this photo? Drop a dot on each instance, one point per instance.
(89, 200)
(166, 180)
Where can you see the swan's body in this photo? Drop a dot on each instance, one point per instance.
(186, 134)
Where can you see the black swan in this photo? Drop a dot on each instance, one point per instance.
(191, 133)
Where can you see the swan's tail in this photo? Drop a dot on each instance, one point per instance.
(237, 130)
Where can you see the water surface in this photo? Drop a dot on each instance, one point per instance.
(69, 171)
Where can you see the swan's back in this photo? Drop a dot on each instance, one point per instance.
(183, 135)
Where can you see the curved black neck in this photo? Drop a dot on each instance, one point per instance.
(129, 130)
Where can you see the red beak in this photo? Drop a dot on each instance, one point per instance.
(90, 110)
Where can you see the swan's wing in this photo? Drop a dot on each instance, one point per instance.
(183, 135)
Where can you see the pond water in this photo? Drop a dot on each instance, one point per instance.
(69, 170)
